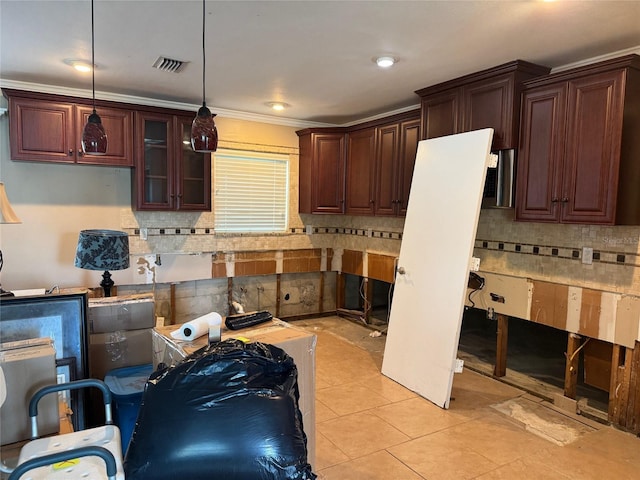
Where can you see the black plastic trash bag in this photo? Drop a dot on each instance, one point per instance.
(228, 411)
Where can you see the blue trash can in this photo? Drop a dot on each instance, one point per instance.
(127, 385)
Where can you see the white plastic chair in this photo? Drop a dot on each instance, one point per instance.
(76, 455)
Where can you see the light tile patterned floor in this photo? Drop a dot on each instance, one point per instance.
(369, 427)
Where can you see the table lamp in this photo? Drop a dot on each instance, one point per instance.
(103, 250)
(7, 215)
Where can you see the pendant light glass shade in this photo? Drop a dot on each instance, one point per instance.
(94, 137)
(204, 134)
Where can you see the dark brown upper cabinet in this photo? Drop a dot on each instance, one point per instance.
(486, 99)
(48, 128)
(397, 145)
(365, 169)
(361, 171)
(578, 159)
(322, 170)
(169, 175)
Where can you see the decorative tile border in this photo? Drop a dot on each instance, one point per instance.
(292, 231)
(567, 253)
(359, 232)
(174, 231)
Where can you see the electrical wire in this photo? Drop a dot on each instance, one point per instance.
(473, 305)
(573, 355)
(366, 305)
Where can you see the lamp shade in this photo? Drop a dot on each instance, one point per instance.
(7, 215)
(102, 250)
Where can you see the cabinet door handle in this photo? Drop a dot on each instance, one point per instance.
(71, 152)
(372, 202)
(565, 200)
(80, 152)
(554, 200)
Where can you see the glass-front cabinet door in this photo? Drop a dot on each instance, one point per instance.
(194, 177)
(169, 174)
(154, 162)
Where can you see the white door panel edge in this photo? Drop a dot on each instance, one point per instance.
(437, 247)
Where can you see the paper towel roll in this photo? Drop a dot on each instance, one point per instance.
(198, 327)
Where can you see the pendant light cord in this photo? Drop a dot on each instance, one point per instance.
(204, 57)
(93, 61)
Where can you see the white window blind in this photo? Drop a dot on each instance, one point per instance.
(251, 191)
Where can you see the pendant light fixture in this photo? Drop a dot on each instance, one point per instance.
(94, 138)
(204, 135)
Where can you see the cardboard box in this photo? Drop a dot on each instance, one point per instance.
(26, 369)
(125, 312)
(124, 348)
(297, 342)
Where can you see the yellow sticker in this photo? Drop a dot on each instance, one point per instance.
(66, 464)
(244, 339)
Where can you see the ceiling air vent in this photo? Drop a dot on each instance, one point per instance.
(169, 64)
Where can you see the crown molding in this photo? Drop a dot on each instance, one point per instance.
(380, 115)
(152, 102)
(600, 58)
(247, 116)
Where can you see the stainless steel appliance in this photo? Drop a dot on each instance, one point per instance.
(499, 187)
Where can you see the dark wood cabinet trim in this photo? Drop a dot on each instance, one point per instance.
(380, 122)
(51, 97)
(530, 69)
(631, 61)
(486, 99)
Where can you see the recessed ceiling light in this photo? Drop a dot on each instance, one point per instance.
(79, 65)
(278, 106)
(385, 62)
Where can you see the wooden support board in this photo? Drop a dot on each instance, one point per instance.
(437, 245)
(500, 369)
(624, 394)
(571, 366)
(340, 291)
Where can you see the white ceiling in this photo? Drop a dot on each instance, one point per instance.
(316, 56)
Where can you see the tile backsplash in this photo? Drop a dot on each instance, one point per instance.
(554, 252)
(549, 252)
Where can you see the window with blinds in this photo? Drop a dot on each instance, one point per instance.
(251, 191)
